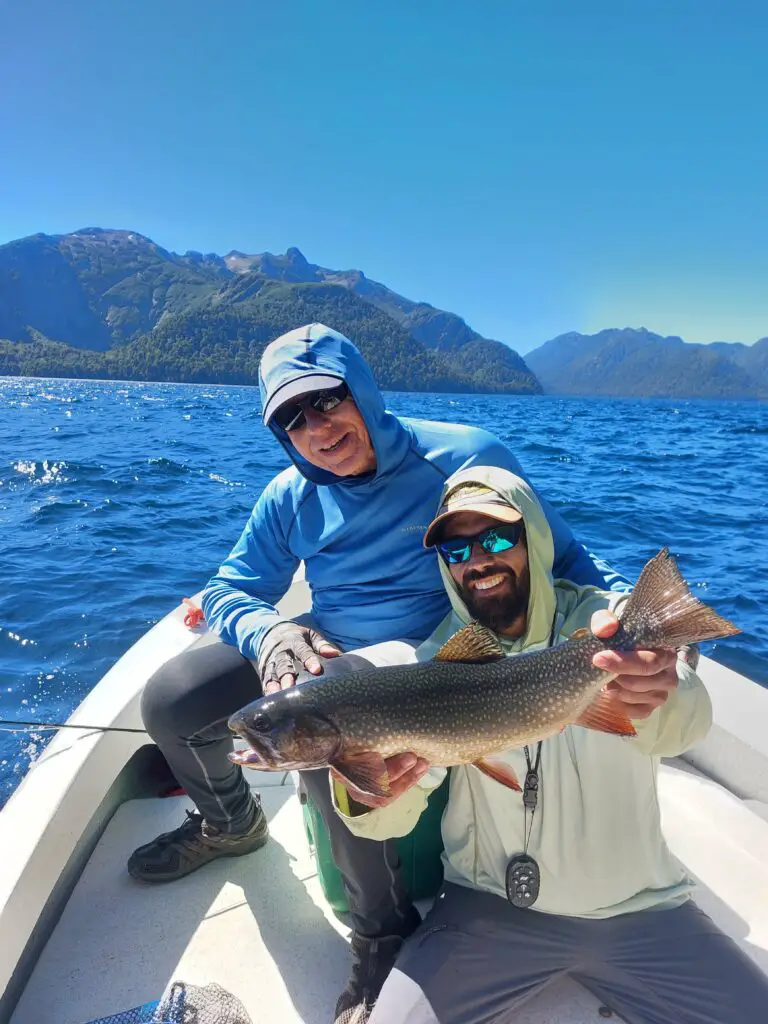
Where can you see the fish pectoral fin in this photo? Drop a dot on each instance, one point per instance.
(472, 643)
(499, 771)
(366, 772)
(606, 714)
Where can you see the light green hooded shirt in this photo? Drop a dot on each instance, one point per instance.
(596, 833)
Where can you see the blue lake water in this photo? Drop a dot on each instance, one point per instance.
(118, 499)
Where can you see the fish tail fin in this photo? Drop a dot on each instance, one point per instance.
(662, 612)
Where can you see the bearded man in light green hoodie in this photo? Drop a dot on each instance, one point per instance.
(574, 877)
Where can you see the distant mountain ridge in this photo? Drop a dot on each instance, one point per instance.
(434, 327)
(133, 307)
(635, 362)
(115, 304)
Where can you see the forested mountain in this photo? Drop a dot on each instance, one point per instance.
(100, 303)
(114, 304)
(638, 363)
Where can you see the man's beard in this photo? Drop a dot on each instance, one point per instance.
(497, 612)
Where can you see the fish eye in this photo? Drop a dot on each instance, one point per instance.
(261, 725)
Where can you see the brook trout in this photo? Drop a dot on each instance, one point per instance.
(471, 701)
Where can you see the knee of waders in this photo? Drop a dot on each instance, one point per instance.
(166, 704)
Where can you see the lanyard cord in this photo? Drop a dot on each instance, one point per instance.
(533, 776)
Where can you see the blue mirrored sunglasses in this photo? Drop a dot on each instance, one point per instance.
(493, 540)
(291, 415)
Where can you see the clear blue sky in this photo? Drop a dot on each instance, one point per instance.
(535, 167)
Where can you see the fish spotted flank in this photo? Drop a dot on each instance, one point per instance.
(470, 702)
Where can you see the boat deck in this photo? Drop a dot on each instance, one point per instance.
(260, 927)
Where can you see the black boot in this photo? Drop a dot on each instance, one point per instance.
(372, 960)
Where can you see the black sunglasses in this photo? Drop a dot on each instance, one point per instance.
(291, 415)
(493, 540)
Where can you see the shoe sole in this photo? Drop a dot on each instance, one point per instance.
(160, 880)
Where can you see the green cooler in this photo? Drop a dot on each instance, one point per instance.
(420, 852)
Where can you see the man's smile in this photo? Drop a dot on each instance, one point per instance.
(330, 448)
(489, 582)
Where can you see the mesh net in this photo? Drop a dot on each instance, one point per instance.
(186, 1004)
(138, 1015)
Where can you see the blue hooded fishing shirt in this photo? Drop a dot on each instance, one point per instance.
(360, 538)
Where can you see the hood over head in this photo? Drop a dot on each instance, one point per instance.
(517, 494)
(314, 357)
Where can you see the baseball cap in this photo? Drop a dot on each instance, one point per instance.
(303, 385)
(471, 497)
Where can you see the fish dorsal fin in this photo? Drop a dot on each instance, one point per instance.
(580, 634)
(472, 643)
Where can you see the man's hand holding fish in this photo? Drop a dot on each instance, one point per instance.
(645, 678)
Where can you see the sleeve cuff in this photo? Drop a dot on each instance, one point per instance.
(391, 822)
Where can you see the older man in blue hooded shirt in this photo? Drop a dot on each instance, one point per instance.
(354, 515)
(353, 508)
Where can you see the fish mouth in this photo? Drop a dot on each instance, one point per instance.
(259, 753)
(252, 759)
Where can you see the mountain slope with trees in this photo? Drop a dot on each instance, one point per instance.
(99, 303)
(114, 304)
(638, 363)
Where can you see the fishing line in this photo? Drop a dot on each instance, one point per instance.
(7, 725)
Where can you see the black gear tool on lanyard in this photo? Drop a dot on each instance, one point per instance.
(523, 876)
